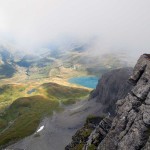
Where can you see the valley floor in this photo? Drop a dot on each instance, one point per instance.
(60, 78)
(56, 131)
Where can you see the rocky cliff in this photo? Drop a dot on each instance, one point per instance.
(130, 128)
(112, 86)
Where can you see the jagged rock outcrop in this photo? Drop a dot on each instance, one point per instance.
(81, 136)
(130, 128)
(112, 86)
(113, 83)
(98, 134)
(147, 145)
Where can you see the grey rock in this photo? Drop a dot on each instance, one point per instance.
(147, 101)
(131, 126)
(112, 86)
(147, 145)
(99, 133)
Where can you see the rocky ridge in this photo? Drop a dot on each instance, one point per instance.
(130, 128)
(112, 86)
(81, 136)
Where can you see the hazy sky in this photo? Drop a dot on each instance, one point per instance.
(115, 24)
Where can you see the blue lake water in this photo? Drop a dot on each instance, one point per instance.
(86, 81)
(31, 91)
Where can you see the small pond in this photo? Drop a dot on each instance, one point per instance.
(31, 91)
(86, 81)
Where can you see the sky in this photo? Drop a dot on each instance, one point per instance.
(111, 25)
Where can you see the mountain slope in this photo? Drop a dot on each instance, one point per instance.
(7, 68)
(22, 117)
(112, 86)
(130, 128)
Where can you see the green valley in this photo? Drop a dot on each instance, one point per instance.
(34, 86)
(23, 114)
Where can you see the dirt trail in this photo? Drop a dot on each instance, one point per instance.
(55, 132)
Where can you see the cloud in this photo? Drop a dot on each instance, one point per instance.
(118, 24)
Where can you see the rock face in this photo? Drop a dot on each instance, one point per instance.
(98, 134)
(111, 87)
(81, 136)
(130, 128)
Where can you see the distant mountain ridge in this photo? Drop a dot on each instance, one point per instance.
(75, 56)
(7, 67)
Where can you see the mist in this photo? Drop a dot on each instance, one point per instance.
(110, 25)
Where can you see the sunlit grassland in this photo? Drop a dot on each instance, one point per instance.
(23, 112)
(23, 117)
(65, 94)
(9, 93)
(57, 75)
(17, 88)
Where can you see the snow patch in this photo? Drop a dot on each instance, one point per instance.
(40, 129)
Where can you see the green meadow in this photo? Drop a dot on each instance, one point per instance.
(23, 107)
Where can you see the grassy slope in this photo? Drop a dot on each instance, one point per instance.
(23, 117)
(9, 93)
(66, 94)
(24, 114)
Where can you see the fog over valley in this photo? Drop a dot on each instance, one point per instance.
(105, 26)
